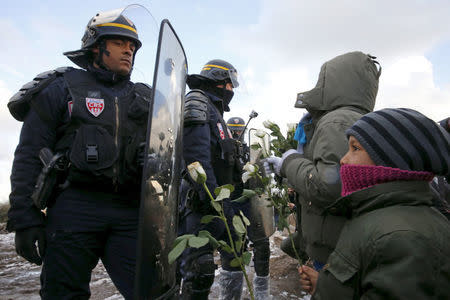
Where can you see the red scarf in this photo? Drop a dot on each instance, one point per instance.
(358, 177)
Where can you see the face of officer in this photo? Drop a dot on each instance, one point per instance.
(235, 134)
(118, 56)
(228, 86)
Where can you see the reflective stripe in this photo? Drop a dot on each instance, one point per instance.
(118, 25)
(214, 66)
(235, 125)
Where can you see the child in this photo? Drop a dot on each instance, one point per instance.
(394, 245)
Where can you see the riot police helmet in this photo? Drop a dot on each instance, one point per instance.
(215, 72)
(220, 71)
(236, 126)
(103, 25)
(236, 123)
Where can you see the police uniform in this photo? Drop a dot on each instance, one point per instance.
(209, 142)
(97, 119)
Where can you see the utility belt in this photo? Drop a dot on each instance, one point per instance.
(58, 174)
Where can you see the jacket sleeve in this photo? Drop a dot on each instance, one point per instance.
(402, 265)
(317, 180)
(35, 135)
(197, 147)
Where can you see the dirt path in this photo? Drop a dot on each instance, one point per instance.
(20, 279)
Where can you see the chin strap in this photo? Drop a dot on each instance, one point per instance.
(99, 58)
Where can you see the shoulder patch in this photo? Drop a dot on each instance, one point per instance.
(195, 108)
(19, 104)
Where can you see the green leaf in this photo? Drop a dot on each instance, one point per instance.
(204, 234)
(235, 262)
(208, 218)
(217, 206)
(259, 191)
(177, 250)
(244, 218)
(229, 187)
(238, 225)
(182, 237)
(255, 146)
(246, 194)
(238, 245)
(282, 223)
(246, 257)
(212, 240)
(197, 242)
(224, 246)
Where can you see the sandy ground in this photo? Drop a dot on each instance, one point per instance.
(20, 279)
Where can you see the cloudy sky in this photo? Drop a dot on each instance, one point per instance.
(278, 47)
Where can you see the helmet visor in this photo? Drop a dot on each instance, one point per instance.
(147, 30)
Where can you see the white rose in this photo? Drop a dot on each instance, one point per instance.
(246, 176)
(249, 168)
(197, 172)
(260, 133)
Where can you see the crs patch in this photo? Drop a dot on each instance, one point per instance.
(95, 106)
(70, 107)
(222, 132)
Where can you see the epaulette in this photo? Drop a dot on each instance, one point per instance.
(19, 104)
(195, 108)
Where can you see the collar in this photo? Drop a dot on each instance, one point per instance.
(107, 76)
(394, 193)
(216, 101)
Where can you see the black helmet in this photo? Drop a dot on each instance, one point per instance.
(109, 23)
(236, 124)
(220, 71)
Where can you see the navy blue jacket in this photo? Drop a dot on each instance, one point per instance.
(201, 141)
(36, 134)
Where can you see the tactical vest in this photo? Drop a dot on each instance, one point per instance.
(105, 133)
(224, 154)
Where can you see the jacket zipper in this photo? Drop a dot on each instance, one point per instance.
(116, 142)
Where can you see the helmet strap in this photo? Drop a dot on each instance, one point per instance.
(101, 50)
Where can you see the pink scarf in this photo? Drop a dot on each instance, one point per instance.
(358, 177)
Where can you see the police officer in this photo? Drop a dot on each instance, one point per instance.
(260, 242)
(206, 139)
(96, 117)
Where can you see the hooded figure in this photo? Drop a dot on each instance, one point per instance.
(346, 90)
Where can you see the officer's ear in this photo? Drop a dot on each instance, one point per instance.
(95, 50)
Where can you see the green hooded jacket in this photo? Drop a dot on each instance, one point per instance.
(394, 246)
(346, 90)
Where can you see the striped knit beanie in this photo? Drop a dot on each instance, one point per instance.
(405, 139)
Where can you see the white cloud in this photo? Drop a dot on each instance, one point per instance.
(409, 82)
(291, 40)
(9, 131)
(299, 31)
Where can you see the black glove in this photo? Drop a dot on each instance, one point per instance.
(26, 244)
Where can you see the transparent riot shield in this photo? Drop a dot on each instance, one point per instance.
(155, 278)
(261, 213)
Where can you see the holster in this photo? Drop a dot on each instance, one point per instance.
(55, 166)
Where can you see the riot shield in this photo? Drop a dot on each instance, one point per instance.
(261, 213)
(155, 278)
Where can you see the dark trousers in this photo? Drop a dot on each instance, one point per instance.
(83, 227)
